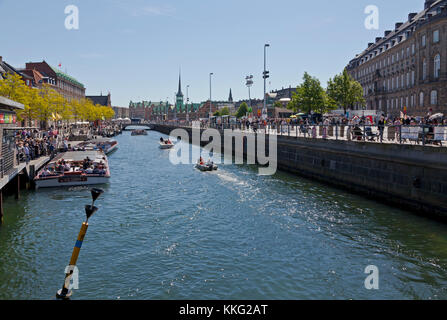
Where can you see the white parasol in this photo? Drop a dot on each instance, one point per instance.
(436, 116)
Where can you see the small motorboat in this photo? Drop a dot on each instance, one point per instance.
(209, 166)
(166, 144)
(203, 167)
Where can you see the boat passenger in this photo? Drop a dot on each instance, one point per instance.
(45, 172)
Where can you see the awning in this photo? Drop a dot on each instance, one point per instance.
(7, 103)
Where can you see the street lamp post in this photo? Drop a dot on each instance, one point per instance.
(187, 93)
(187, 102)
(249, 83)
(265, 76)
(210, 99)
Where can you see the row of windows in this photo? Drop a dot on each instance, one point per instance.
(411, 101)
(399, 81)
(398, 56)
(68, 87)
(386, 62)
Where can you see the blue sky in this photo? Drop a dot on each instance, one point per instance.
(134, 48)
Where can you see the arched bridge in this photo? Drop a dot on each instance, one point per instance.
(144, 126)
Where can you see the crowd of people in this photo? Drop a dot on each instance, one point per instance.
(32, 144)
(86, 166)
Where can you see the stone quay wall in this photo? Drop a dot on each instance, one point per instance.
(411, 177)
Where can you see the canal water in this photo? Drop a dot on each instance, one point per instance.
(172, 232)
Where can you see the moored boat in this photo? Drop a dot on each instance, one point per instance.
(74, 168)
(106, 145)
(139, 133)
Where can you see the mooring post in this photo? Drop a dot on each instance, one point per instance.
(1, 207)
(65, 293)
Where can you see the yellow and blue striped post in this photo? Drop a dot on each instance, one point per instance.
(65, 292)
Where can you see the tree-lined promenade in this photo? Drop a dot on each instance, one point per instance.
(342, 92)
(46, 104)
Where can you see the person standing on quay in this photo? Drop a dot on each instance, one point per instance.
(26, 149)
(381, 128)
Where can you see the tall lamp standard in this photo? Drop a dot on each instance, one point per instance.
(187, 102)
(210, 99)
(265, 75)
(187, 93)
(249, 83)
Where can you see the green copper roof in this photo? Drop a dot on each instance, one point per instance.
(65, 76)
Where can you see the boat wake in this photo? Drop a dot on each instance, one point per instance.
(228, 177)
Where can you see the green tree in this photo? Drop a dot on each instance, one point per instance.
(277, 104)
(225, 111)
(242, 111)
(14, 88)
(216, 114)
(345, 91)
(310, 96)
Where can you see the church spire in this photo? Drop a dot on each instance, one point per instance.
(230, 98)
(179, 93)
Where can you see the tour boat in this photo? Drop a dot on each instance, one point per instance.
(106, 145)
(139, 133)
(50, 176)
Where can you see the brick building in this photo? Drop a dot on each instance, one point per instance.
(406, 69)
(66, 85)
(121, 112)
(6, 68)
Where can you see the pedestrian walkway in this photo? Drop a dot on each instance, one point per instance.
(37, 164)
